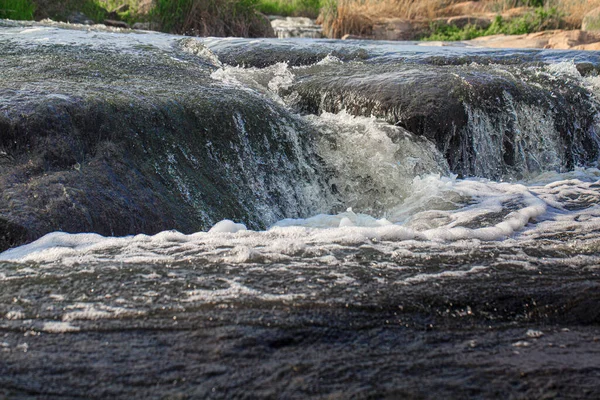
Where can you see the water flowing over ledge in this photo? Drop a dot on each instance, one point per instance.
(222, 218)
(125, 133)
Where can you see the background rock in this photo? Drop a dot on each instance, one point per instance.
(591, 21)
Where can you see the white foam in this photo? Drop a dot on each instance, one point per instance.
(59, 327)
(96, 311)
(227, 226)
(14, 315)
(440, 209)
(420, 278)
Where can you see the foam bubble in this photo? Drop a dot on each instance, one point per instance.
(227, 226)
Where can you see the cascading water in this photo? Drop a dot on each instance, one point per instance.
(408, 221)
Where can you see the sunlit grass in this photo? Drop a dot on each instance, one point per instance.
(303, 8)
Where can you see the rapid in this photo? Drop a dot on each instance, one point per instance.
(296, 218)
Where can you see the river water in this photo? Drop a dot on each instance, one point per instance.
(438, 235)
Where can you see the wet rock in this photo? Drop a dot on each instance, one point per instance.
(116, 24)
(124, 141)
(591, 21)
(144, 26)
(451, 106)
(586, 69)
(79, 18)
(11, 234)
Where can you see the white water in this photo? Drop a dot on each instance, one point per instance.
(440, 210)
(391, 188)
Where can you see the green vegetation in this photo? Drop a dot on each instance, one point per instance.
(286, 8)
(17, 9)
(211, 17)
(539, 20)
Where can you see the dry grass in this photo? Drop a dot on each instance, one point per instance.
(212, 18)
(574, 10)
(356, 17)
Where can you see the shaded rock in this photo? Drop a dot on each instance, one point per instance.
(393, 29)
(144, 26)
(78, 17)
(591, 20)
(116, 24)
(464, 20)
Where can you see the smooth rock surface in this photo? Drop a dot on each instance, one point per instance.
(554, 39)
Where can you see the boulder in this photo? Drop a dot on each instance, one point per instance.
(393, 29)
(78, 17)
(556, 39)
(572, 39)
(116, 24)
(144, 26)
(534, 41)
(451, 107)
(591, 20)
(135, 138)
(591, 46)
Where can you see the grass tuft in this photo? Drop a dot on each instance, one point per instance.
(17, 9)
(212, 17)
(290, 8)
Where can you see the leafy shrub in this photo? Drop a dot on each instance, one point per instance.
(538, 20)
(212, 18)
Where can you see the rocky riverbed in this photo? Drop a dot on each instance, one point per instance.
(408, 221)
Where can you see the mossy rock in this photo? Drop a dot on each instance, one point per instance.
(122, 134)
